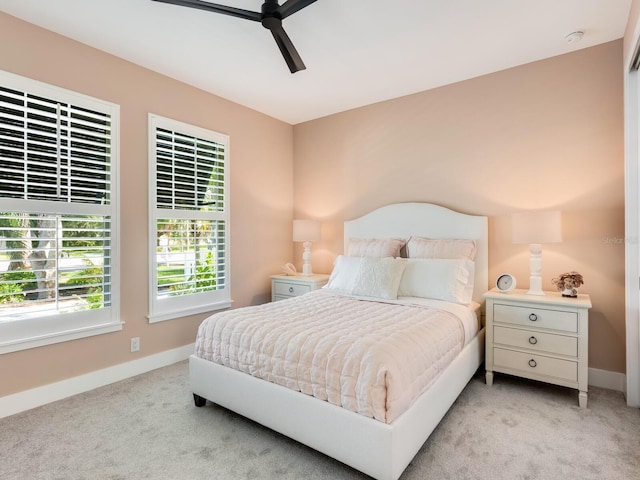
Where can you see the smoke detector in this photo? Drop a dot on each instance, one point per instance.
(574, 37)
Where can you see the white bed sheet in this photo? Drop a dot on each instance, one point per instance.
(468, 314)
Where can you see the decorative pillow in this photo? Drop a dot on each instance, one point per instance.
(379, 277)
(374, 247)
(367, 277)
(419, 247)
(344, 274)
(438, 278)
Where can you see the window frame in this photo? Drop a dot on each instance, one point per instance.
(36, 331)
(169, 308)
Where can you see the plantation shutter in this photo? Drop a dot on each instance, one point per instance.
(53, 151)
(190, 172)
(190, 228)
(58, 229)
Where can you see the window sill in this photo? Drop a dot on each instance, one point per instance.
(58, 337)
(185, 312)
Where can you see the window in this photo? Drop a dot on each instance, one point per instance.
(58, 215)
(189, 228)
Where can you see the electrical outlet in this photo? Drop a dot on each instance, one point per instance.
(135, 344)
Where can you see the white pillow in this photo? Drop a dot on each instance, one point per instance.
(375, 247)
(379, 277)
(419, 247)
(344, 274)
(438, 278)
(367, 277)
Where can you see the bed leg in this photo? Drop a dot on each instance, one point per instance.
(199, 401)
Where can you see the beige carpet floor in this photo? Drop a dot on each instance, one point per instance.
(148, 428)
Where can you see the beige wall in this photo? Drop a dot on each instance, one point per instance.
(544, 135)
(261, 161)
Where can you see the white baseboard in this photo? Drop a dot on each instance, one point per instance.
(36, 397)
(606, 379)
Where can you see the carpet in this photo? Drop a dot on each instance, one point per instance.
(147, 427)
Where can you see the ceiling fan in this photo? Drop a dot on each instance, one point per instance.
(271, 18)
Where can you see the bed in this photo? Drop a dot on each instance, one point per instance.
(375, 446)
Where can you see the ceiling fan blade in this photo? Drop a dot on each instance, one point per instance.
(214, 7)
(289, 52)
(292, 6)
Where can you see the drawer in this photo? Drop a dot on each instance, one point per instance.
(536, 317)
(290, 289)
(533, 340)
(534, 364)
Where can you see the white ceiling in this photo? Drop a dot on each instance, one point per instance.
(357, 52)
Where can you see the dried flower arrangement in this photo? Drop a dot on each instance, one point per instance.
(567, 283)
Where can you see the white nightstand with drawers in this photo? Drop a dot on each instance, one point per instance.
(287, 286)
(543, 338)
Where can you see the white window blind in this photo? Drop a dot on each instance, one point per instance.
(53, 151)
(54, 264)
(190, 172)
(190, 216)
(58, 162)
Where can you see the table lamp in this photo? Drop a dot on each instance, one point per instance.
(306, 231)
(536, 228)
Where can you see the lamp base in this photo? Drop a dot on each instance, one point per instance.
(533, 291)
(306, 259)
(535, 285)
(535, 267)
(536, 292)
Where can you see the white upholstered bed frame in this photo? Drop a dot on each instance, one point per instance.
(380, 450)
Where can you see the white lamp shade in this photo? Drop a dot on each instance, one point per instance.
(537, 227)
(306, 230)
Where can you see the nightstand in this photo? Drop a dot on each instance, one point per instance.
(287, 286)
(543, 338)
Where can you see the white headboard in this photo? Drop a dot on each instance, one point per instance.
(402, 220)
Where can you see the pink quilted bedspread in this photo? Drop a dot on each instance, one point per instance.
(371, 357)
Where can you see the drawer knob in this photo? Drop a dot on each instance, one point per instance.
(533, 317)
(533, 363)
(533, 340)
(290, 289)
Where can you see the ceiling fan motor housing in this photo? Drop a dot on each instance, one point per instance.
(271, 18)
(270, 7)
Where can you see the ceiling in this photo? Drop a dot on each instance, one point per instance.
(357, 52)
